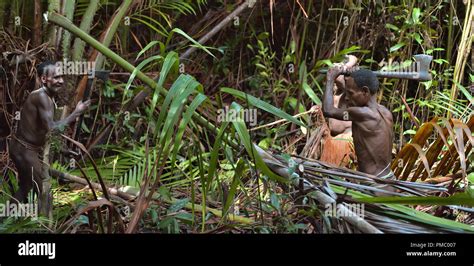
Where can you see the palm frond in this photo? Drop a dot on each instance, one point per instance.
(448, 152)
(348, 186)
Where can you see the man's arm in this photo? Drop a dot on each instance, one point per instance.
(46, 113)
(346, 114)
(351, 61)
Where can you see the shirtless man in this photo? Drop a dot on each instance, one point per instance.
(35, 124)
(371, 123)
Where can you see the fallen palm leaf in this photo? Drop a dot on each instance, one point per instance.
(456, 199)
(388, 216)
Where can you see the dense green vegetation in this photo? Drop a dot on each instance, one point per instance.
(153, 131)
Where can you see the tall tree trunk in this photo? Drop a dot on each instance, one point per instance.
(38, 22)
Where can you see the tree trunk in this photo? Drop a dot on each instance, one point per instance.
(38, 22)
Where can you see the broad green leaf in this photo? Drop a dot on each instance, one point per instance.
(148, 46)
(136, 70)
(391, 26)
(311, 94)
(263, 105)
(148, 20)
(174, 112)
(416, 15)
(233, 187)
(186, 118)
(323, 62)
(466, 93)
(349, 50)
(303, 77)
(418, 38)
(470, 177)
(275, 201)
(178, 86)
(215, 155)
(178, 205)
(243, 133)
(396, 47)
(171, 61)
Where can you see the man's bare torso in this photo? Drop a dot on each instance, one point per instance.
(373, 141)
(31, 128)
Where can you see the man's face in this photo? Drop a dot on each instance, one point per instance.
(53, 79)
(356, 96)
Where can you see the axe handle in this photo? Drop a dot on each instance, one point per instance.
(84, 98)
(393, 74)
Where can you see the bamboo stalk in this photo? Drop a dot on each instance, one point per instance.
(324, 199)
(53, 6)
(463, 51)
(112, 28)
(86, 22)
(105, 38)
(68, 10)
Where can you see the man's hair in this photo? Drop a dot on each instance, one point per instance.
(42, 68)
(364, 77)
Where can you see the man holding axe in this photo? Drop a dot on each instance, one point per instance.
(34, 127)
(371, 122)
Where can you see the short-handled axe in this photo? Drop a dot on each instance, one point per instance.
(418, 70)
(100, 74)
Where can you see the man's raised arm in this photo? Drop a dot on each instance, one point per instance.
(346, 114)
(46, 114)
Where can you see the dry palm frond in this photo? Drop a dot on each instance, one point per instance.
(453, 155)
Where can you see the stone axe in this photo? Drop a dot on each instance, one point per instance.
(418, 70)
(100, 74)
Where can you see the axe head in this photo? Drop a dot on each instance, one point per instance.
(102, 74)
(419, 71)
(423, 66)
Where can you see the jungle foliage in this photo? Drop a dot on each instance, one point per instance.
(154, 140)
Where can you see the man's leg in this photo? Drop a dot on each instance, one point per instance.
(23, 160)
(44, 195)
(32, 173)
